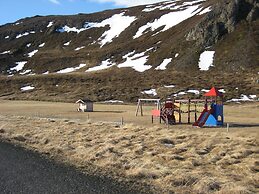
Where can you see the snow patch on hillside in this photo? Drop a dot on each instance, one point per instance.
(42, 45)
(71, 69)
(206, 10)
(180, 94)
(179, 14)
(79, 48)
(206, 60)
(150, 92)
(117, 24)
(135, 61)
(25, 34)
(205, 90)
(115, 29)
(69, 29)
(27, 88)
(252, 96)
(67, 43)
(114, 102)
(25, 72)
(222, 91)
(169, 86)
(163, 65)
(31, 54)
(244, 98)
(5, 52)
(19, 66)
(196, 92)
(104, 65)
(50, 24)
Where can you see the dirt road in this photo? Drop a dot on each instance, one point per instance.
(27, 172)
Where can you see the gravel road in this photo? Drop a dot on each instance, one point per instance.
(23, 171)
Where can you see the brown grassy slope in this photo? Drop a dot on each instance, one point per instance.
(123, 84)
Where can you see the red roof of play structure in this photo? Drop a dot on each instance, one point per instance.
(213, 92)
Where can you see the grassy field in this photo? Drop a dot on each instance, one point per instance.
(179, 159)
(239, 114)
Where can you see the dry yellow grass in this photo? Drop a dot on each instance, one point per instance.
(180, 159)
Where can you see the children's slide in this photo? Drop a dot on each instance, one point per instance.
(203, 118)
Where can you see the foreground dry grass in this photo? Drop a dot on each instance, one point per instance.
(180, 159)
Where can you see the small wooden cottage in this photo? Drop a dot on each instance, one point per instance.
(85, 105)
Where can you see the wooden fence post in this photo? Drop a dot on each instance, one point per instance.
(122, 121)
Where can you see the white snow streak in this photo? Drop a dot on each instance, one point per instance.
(67, 43)
(26, 88)
(50, 24)
(117, 23)
(42, 45)
(169, 86)
(104, 65)
(5, 52)
(25, 72)
(79, 48)
(25, 34)
(19, 66)
(168, 20)
(71, 69)
(31, 54)
(222, 91)
(197, 92)
(69, 29)
(243, 98)
(163, 65)
(114, 101)
(150, 92)
(206, 10)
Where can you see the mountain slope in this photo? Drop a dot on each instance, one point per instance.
(118, 54)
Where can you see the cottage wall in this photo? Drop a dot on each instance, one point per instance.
(82, 107)
(89, 107)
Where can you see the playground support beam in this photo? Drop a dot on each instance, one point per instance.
(180, 114)
(139, 105)
(195, 111)
(189, 111)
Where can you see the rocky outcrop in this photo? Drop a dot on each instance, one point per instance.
(223, 18)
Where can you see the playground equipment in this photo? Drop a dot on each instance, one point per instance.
(214, 116)
(172, 111)
(167, 112)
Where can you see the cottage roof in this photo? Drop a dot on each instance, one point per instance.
(84, 101)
